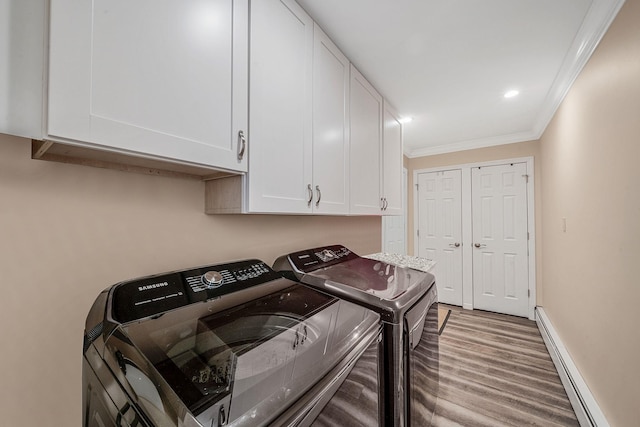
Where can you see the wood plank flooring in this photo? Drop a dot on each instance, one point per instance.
(495, 371)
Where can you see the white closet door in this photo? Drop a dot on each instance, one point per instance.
(500, 263)
(440, 230)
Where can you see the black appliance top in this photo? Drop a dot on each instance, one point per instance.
(388, 289)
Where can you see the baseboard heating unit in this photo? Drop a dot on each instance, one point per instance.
(585, 406)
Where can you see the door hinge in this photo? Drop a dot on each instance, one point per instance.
(417, 187)
(418, 233)
(526, 178)
(529, 293)
(528, 237)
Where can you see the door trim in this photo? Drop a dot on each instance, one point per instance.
(467, 273)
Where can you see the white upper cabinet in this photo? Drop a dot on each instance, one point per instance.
(366, 146)
(161, 79)
(391, 162)
(298, 114)
(22, 45)
(330, 127)
(281, 61)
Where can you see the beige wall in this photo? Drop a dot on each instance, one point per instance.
(67, 232)
(590, 169)
(500, 152)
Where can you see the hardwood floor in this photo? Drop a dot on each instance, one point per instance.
(495, 371)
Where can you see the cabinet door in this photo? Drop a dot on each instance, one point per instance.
(330, 126)
(366, 141)
(164, 79)
(391, 162)
(281, 61)
(22, 45)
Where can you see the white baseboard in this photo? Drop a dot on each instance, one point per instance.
(585, 406)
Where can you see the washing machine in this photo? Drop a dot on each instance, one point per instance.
(406, 300)
(231, 344)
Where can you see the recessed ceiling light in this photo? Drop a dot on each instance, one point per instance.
(404, 120)
(511, 93)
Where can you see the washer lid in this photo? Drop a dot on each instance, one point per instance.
(385, 281)
(389, 290)
(245, 356)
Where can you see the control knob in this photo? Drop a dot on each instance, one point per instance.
(212, 279)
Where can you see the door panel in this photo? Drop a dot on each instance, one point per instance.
(330, 126)
(392, 162)
(394, 228)
(440, 228)
(500, 264)
(281, 61)
(366, 143)
(177, 90)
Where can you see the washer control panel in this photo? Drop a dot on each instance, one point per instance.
(149, 296)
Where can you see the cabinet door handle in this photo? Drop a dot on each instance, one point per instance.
(310, 190)
(381, 203)
(454, 245)
(242, 145)
(319, 195)
(386, 204)
(479, 245)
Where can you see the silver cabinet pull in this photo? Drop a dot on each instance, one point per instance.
(386, 204)
(242, 145)
(310, 194)
(381, 203)
(319, 195)
(478, 245)
(454, 245)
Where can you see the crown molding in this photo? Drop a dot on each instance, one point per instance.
(471, 144)
(594, 26)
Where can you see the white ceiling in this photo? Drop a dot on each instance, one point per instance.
(448, 63)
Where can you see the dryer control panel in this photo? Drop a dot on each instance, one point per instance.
(313, 259)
